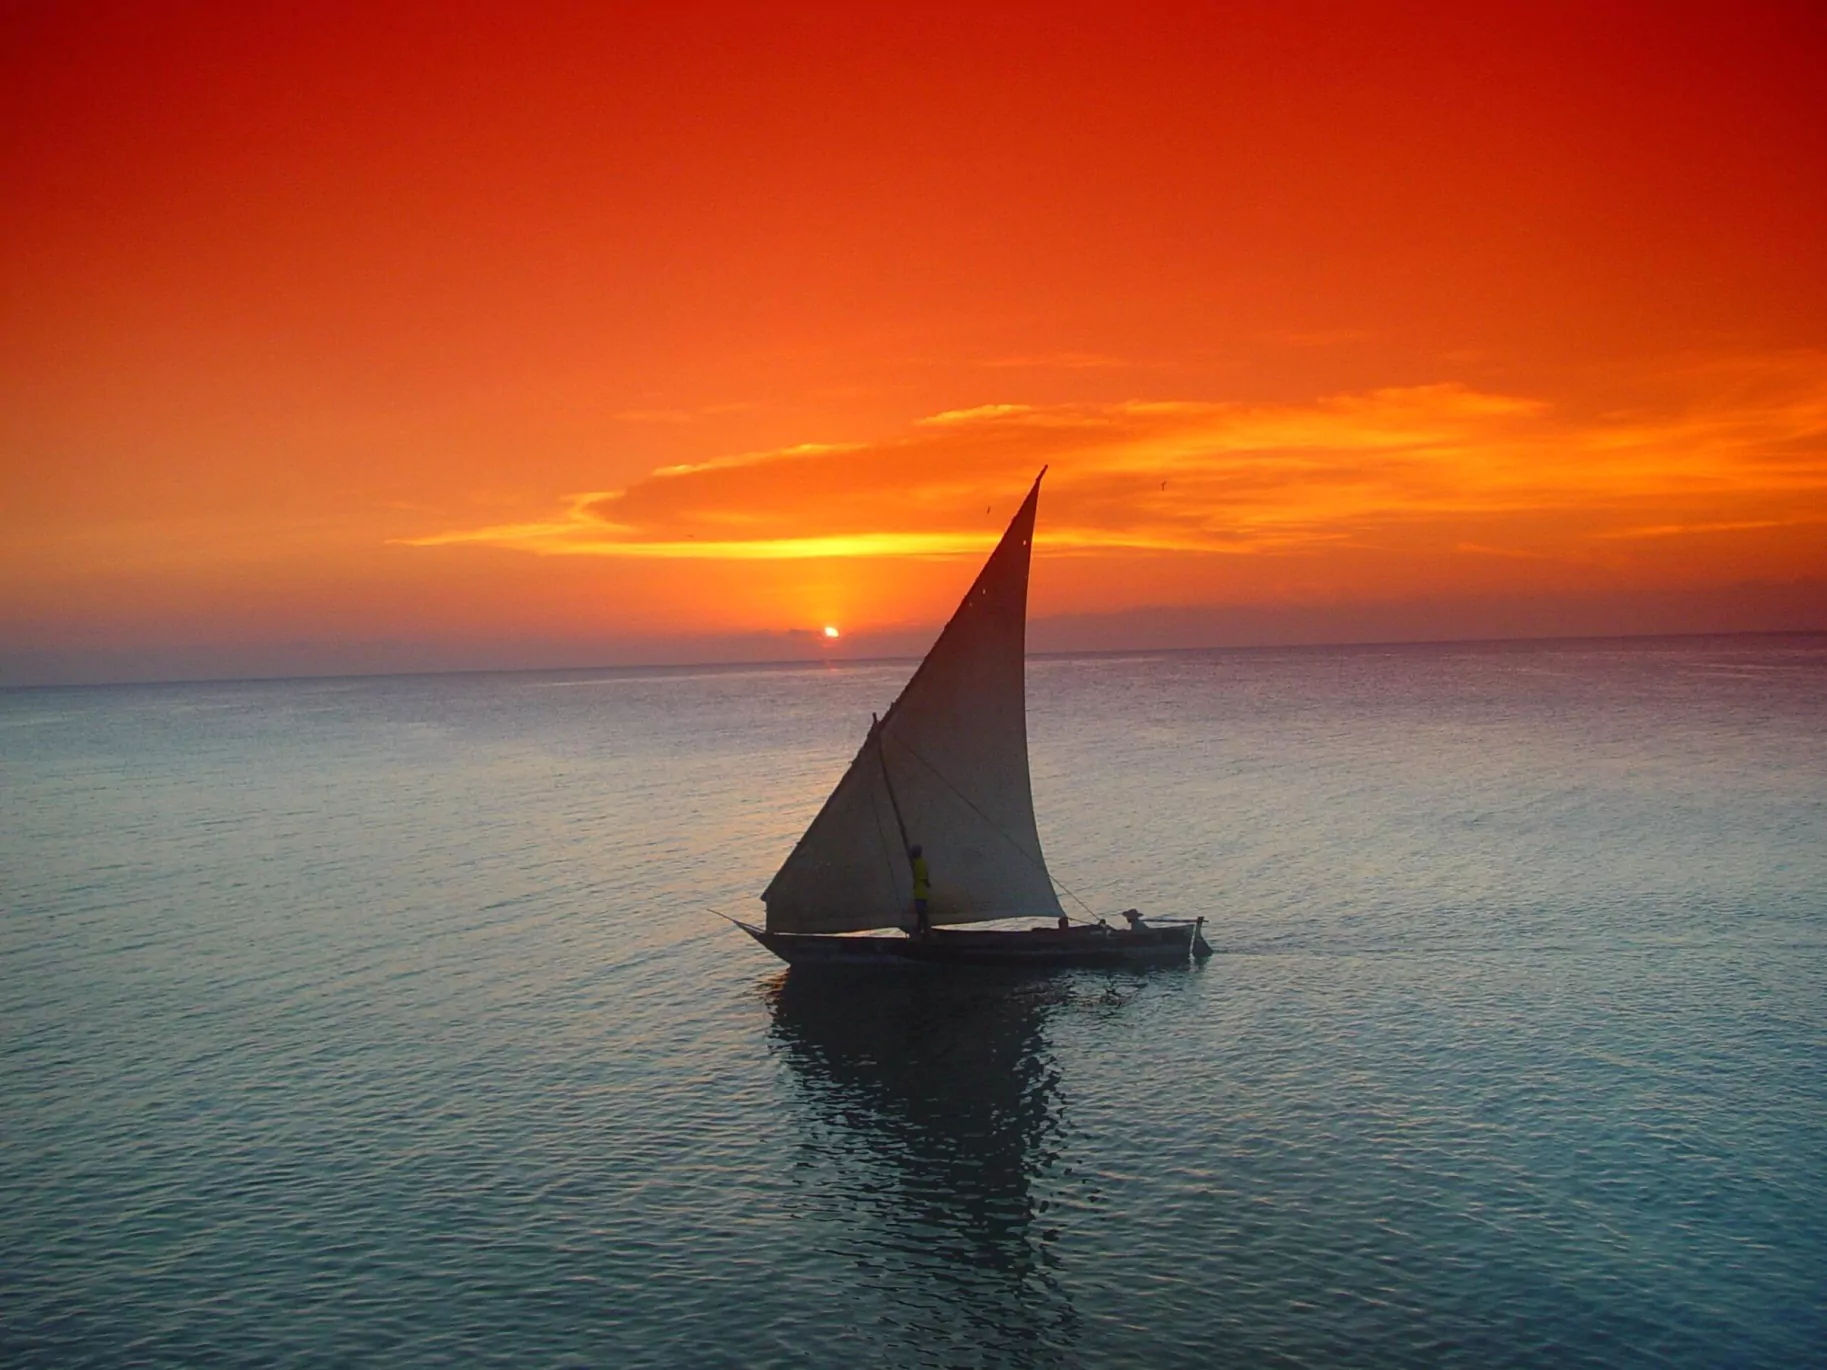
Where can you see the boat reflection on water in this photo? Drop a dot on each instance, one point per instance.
(931, 1105)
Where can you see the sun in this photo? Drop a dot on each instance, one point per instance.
(830, 632)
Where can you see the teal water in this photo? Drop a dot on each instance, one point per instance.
(382, 1022)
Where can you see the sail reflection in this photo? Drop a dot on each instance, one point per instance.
(931, 1106)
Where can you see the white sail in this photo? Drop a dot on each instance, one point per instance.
(952, 757)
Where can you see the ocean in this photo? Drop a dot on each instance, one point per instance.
(390, 1022)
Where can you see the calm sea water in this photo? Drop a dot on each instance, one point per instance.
(383, 1022)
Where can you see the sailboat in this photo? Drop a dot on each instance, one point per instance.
(932, 825)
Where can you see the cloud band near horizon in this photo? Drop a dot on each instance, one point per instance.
(1446, 467)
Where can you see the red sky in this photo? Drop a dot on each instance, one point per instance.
(462, 335)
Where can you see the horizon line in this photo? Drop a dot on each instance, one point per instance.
(825, 662)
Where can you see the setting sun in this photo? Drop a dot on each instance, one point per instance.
(632, 352)
(525, 578)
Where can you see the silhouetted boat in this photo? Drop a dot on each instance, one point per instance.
(945, 772)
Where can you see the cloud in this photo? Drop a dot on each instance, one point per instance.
(1744, 448)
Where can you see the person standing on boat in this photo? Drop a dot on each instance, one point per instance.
(922, 891)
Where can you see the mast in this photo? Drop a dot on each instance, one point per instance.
(875, 735)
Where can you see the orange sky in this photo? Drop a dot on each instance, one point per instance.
(459, 336)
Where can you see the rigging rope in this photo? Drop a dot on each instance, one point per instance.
(993, 826)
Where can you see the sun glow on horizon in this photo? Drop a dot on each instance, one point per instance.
(742, 330)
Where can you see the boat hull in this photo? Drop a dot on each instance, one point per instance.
(1040, 948)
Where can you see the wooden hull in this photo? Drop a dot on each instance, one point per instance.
(1040, 948)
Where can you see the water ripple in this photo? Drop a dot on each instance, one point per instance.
(380, 1022)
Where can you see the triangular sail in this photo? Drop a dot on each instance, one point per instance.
(952, 756)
